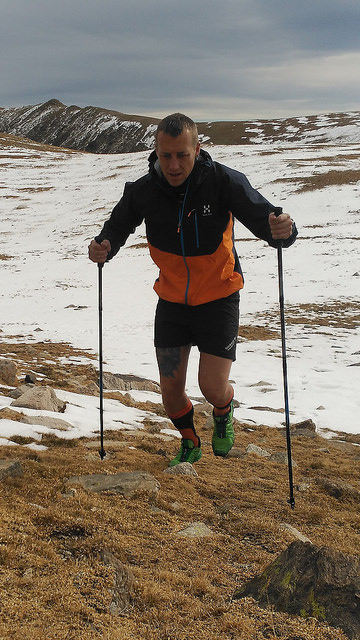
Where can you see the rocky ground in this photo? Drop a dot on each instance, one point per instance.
(152, 554)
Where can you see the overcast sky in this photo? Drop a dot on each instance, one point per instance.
(212, 59)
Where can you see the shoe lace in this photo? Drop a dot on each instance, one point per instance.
(221, 422)
(184, 452)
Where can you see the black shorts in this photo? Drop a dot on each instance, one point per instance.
(213, 327)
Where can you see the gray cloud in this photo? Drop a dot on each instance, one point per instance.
(214, 60)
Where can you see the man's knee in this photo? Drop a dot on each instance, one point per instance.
(215, 396)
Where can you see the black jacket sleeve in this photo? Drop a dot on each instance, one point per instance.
(251, 208)
(123, 221)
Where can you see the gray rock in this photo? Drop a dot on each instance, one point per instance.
(281, 457)
(30, 378)
(196, 530)
(40, 398)
(8, 372)
(253, 448)
(47, 421)
(303, 433)
(122, 382)
(338, 489)
(304, 485)
(122, 586)
(305, 424)
(294, 532)
(182, 469)
(19, 391)
(127, 484)
(235, 452)
(10, 469)
(81, 385)
(312, 582)
(304, 429)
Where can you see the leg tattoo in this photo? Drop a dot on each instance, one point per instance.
(168, 360)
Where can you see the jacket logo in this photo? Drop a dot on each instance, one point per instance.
(207, 210)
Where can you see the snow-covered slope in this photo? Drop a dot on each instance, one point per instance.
(55, 201)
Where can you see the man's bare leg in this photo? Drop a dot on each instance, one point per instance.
(214, 383)
(172, 363)
(214, 379)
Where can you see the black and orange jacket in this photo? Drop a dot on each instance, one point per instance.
(190, 229)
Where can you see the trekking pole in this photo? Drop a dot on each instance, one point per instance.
(278, 211)
(102, 451)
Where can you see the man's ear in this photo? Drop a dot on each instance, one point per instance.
(197, 150)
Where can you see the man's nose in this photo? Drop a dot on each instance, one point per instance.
(174, 162)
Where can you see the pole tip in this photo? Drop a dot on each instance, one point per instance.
(291, 502)
(102, 454)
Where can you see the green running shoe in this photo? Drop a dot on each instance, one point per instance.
(188, 453)
(223, 434)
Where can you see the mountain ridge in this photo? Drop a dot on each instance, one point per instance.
(99, 130)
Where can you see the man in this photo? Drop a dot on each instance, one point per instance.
(189, 204)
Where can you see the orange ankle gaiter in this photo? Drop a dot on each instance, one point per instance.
(221, 411)
(183, 421)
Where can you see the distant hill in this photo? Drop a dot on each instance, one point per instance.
(98, 130)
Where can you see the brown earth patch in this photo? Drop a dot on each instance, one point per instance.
(51, 540)
(257, 332)
(320, 181)
(36, 189)
(44, 359)
(139, 245)
(10, 140)
(336, 314)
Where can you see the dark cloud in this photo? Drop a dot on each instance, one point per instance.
(229, 59)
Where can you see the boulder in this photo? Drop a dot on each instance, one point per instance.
(182, 469)
(30, 378)
(128, 483)
(196, 530)
(121, 587)
(48, 421)
(16, 393)
(281, 457)
(122, 382)
(8, 372)
(253, 448)
(308, 425)
(10, 469)
(339, 489)
(314, 582)
(40, 398)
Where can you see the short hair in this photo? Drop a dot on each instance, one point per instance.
(175, 124)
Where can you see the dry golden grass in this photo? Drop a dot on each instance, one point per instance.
(10, 140)
(333, 177)
(55, 585)
(337, 314)
(257, 332)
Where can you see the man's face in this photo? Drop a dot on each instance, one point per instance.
(176, 156)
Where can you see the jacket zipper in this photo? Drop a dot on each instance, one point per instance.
(196, 226)
(182, 244)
